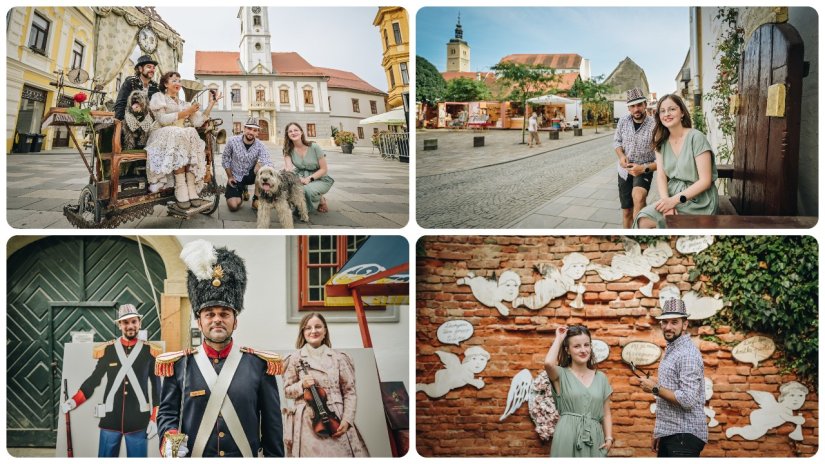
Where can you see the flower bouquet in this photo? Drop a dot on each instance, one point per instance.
(542, 407)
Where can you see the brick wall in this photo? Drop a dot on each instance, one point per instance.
(465, 422)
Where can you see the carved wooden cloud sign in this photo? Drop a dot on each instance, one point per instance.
(693, 243)
(641, 353)
(600, 350)
(454, 332)
(753, 350)
(701, 307)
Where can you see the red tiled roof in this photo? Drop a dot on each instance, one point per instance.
(567, 80)
(347, 80)
(228, 63)
(555, 61)
(488, 77)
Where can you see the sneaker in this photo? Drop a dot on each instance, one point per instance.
(245, 195)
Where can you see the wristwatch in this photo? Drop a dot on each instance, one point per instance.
(682, 199)
(311, 179)
(655, 390)
(647, 169)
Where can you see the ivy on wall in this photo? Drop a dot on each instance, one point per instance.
(771, 283)
(728, 50)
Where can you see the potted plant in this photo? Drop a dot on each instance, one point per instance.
(345, 140)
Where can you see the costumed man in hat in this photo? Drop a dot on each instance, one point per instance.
(242, 156)
(141, 80)
(637, 161)
(219, 399)
(129, 366)
(681, 428)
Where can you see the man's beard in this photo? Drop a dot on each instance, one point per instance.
(248, 139)
(127, 337)
(226, 339)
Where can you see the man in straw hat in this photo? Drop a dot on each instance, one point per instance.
(219, 399)
(637, 161)
(243, 155)
(141, 80)
(129, 365)
(681, 428)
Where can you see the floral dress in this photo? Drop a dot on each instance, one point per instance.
(335, 372)
(174, 144)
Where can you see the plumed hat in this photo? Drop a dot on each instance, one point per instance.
(216, 277)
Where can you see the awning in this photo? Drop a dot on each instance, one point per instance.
(392, 118)
(376, 275)
(551, 100)
(384, 261)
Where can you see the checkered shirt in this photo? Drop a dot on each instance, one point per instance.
(635, 143)
(683, 372)
(240, 160)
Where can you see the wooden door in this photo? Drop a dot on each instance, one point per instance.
(263, 134)
(766, 159)
(56, 286)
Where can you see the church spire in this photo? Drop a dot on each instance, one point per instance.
(459, 33)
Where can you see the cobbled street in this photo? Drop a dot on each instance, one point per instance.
(495, 196)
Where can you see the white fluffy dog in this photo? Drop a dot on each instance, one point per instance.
(281, 190)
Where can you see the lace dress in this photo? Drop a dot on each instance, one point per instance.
(174, 145)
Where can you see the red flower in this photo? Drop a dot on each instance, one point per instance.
(80, 97)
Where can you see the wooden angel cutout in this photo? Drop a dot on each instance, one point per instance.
(456, 373)
(773, 413)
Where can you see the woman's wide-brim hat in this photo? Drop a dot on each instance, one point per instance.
(673, 309)
(145, 59)
(216, 277)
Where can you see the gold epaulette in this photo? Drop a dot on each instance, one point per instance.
(100, 348)
(155, 349)
(274, 363)
(165, 362)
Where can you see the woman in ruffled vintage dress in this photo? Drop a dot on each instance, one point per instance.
(334, 372)
(175, 152)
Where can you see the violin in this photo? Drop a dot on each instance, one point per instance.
(324, 420)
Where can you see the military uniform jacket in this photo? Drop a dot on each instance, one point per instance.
(126, 415)
(253, 392)
(131, 83)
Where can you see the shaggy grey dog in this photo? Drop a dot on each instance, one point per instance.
(137, 121)
(281, 190)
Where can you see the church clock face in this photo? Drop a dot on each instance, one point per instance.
(147, 40)
(256, 9)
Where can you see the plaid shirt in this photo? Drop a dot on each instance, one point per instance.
(240, 160)
(635, 143)
(683, 372)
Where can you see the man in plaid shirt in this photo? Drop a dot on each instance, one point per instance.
(681, 428)
(637, 161)
(242, 156)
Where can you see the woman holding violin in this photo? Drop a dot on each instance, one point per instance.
(321, 381)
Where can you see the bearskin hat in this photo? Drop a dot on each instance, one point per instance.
(216, 277)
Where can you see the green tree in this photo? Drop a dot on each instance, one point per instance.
(592, 94)
(430, 87)
(525, 81)
(465, 90)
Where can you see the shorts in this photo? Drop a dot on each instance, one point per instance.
(238, 189)
(626, 187)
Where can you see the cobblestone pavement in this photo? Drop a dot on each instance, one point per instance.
(503, 195)
(369, 192)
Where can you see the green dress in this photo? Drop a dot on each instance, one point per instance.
(681, 173)
(579, 432)
(306, 166)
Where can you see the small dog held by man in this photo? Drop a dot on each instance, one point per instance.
(137, 121)
(281, 190)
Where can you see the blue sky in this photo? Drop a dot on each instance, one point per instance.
(657, 39)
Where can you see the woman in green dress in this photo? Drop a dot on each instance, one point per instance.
(687, 182)
(308, 160)
(582, 396)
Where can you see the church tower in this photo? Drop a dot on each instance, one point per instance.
(256, 51)
(458, 51)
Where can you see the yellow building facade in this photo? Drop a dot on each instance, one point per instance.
(393, 27)
(41, 41)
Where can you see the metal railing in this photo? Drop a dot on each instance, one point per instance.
(394, 145)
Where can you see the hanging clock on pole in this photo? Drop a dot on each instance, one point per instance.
(147, 40)
(77, 76)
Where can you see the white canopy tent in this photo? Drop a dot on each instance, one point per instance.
(391, 118)
(573, 104)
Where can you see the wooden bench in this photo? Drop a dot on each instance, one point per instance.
(763, 183)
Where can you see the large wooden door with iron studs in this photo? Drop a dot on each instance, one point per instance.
(56, 286)
(766, 159)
